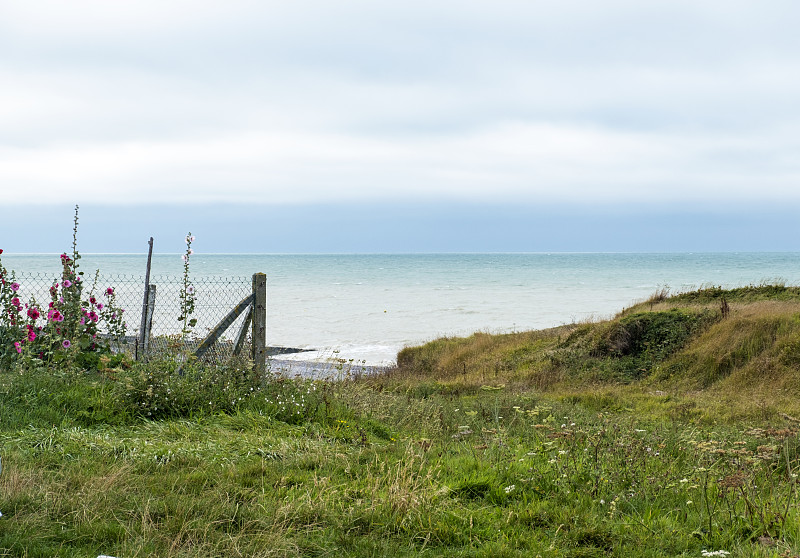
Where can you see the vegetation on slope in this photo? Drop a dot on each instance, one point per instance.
(718, 349)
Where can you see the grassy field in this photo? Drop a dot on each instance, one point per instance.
(670, 430)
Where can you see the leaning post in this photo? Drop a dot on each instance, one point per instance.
(148, 322)
(143, 331)
(259, 325)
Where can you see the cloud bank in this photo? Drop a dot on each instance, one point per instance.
(320, 102)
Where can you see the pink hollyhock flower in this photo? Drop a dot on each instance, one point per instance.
(33, 313)
(109, 291)
(18, 346)
(66, 344)
(99, 306)
(184, 258)
(31, 335)
(15, 287)
(67, 283)
(83, 321)
(93, 300)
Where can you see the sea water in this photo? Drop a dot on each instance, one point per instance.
(367, 307)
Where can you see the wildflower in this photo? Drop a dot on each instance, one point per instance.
(18, 346)
(714, 553)
(66, 344)
(510, 489)
(15, 287)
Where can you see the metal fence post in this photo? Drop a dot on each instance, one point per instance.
(259, 324)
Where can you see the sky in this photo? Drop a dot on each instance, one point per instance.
(362, 126)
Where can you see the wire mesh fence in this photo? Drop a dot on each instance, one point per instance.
(214, 298)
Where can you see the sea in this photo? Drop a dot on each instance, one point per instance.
(367, 307)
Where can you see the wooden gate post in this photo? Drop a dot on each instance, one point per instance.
(259, 324)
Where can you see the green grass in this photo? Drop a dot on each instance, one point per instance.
(622, 438)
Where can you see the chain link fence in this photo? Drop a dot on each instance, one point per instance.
(214, 298)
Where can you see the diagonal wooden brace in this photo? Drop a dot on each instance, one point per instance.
(224, 324)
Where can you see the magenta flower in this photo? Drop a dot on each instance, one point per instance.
(67, 283)
(33, 313)
(15, 287)
(109, 291)
(66, 344)
(18, 346)
(99, 306)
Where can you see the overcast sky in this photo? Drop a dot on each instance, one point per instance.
(461, 114)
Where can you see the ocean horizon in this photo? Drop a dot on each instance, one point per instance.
(366, 307)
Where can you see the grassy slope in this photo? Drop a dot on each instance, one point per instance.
(662, 432)
(745, 365)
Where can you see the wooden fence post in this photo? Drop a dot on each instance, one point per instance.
(259, 324)
(148, 321)
(144, 329)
